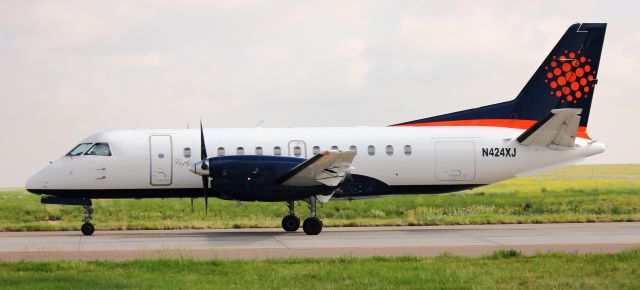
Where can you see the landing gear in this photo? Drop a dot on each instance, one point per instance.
(87, 228)
(291, 223)
(312, 225)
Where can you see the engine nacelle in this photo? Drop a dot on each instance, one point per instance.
(253, 177)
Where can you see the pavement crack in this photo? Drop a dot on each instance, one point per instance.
(480, 238)
(279, 241)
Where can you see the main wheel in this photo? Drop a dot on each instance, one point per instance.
(87, 229)
(312, 226)
(291, 223)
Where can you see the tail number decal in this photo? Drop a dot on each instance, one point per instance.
(499, 152)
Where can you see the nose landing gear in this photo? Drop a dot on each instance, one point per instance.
(87, 228)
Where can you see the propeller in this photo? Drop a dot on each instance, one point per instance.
(204, 166)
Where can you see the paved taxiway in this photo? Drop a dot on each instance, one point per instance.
(470, 240)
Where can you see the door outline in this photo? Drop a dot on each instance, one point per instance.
(170, 158)
(457, 173)
(303, 146)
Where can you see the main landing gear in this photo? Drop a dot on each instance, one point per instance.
(291, 223)
(311, 226)
(87, 228)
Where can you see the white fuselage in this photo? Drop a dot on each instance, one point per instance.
(403, 156)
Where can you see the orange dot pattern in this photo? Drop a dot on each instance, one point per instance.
(569, 76)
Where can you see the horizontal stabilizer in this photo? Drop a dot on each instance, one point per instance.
(328, 168)
(558, 128)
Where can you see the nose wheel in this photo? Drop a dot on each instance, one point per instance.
(87, 228)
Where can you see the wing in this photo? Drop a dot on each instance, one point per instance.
(558, 128)
(328, 168)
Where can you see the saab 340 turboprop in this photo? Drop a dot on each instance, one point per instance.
(544, 126)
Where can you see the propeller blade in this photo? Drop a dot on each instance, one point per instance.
(205, 179)
(203, 148)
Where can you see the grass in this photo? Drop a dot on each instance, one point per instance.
(595, 193)
(506, 269)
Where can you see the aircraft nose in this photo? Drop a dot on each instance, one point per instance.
(35, 182)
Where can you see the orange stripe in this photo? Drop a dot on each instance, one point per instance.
(506, 123)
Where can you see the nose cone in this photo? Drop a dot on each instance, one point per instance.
(35, 183)
(200, 168)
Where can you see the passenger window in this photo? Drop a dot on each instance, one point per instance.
(334, 148)
(277, 151)
(371, 150)
(79, 149)
(187, 152)
(240, 151)
(258, 150)
(99, 149)
(297, 151)
(389, 150)
(220, 151)
(316, 150)
(407, 150)
(353, 148)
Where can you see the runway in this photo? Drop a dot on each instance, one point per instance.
(471, 240)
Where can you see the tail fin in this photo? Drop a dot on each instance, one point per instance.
(565, 79)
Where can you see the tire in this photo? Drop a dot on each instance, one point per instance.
(291, 223)
(87, 229)
(312, 226)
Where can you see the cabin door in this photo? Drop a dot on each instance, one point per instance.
(161, 170)
(455, 161)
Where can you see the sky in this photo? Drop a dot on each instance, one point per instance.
(72, 68)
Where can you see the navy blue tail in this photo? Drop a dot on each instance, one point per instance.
(565, 79)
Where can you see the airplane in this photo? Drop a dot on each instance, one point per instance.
(544, 126)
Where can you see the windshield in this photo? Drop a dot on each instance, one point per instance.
(79, 149)
(99, 149)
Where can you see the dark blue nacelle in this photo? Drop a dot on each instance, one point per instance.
(253, 178)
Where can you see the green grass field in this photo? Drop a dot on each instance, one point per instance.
(505, 269)
(573, 194)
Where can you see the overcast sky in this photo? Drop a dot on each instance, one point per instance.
(72, 68)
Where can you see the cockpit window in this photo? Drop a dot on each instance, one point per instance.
(79, 149)
(99, 149)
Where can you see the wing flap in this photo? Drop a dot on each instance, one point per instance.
(328, 168)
